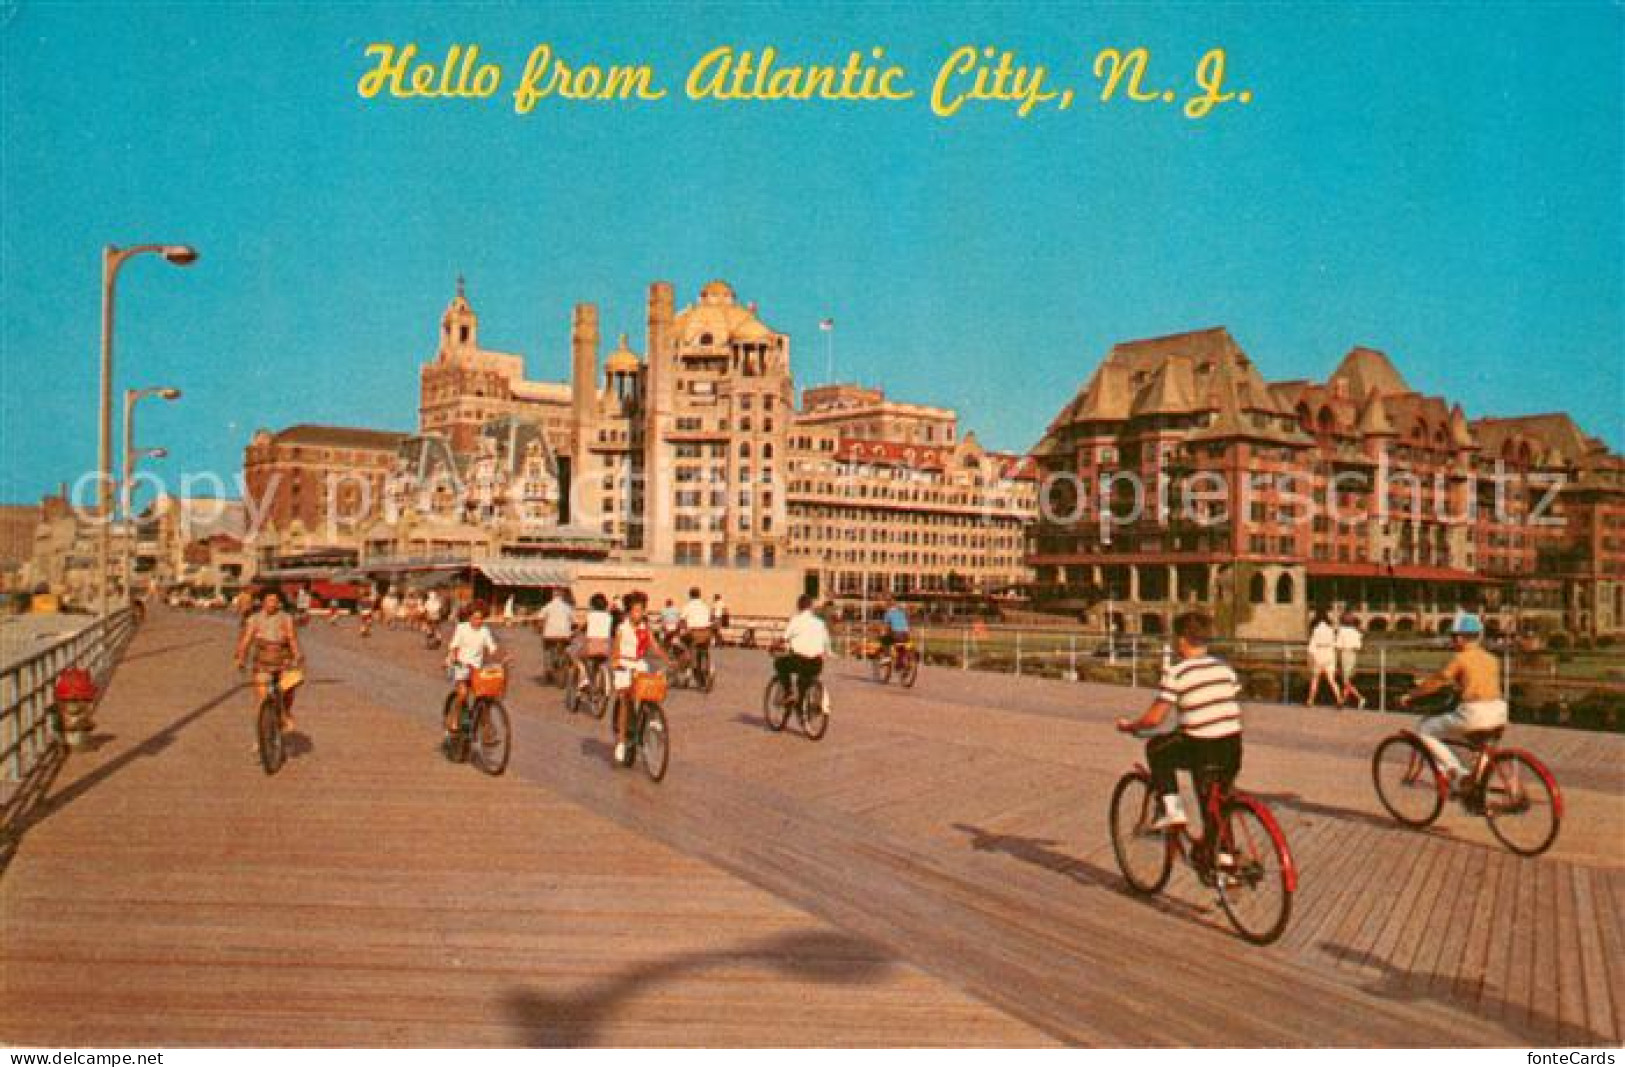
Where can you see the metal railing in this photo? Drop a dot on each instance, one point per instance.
(27, 690)
(1271, 670)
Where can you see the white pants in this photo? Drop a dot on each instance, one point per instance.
(1478, 715)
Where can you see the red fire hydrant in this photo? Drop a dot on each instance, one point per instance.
(75, 704)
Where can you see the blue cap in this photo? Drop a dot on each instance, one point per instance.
(1467, 625)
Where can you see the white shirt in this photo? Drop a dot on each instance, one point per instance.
(1323, 638)
(432, 605)
(697, 615)
(807, 636)
(1204, 693)
(469, 646)
(558, 618)
(598, 625)
(1349, 639)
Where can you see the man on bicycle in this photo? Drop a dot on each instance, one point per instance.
(806, 641)
(470, 646)
(558, 625)
(269, 633)
(696, 623)
(894, 627)
(1476, 676)
(629, 656)
(1201, 691)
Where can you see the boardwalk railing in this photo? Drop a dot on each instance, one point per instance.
(1270, 670)
(27, 692)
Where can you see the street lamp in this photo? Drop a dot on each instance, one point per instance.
(112, 259)
(127, 484)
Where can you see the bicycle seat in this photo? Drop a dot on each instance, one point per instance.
(1480, 738)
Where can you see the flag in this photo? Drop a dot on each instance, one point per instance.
(826, 325)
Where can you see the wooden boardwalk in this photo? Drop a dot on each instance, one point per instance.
(935, 871)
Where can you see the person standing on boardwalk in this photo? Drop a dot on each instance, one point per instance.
(1323, 658)
(1349, 641)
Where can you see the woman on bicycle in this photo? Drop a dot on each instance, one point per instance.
(269, 634)
(1201, 691)
(470, 646)
(629, 656)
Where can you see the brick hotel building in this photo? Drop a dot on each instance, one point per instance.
(1358, 493)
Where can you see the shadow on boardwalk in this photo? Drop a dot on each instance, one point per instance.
(36, 803)
(578, 1017)
(1537, 1027)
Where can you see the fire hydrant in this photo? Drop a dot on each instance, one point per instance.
(75, 704)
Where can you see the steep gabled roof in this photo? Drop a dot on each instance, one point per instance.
(1365, 369)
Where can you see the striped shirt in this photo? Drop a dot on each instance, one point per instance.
(1203, 690)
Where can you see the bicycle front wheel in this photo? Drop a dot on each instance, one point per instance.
(601, 692)
(654, 742)
(814, 719)
(1522, 803)
(1408, 783)
(881, 666)
(1253, 872)
(774, 709)
(1143, 854)
(272, 752)
(492, 737)
(910, 671)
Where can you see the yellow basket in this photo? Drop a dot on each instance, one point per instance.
(490, 682)
(649, 688)
(290, 678)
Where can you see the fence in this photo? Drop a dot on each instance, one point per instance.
(1270, 670)
(27, 692)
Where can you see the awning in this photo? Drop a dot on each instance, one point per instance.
(525, 574)
(1403, 571)
(337, 590)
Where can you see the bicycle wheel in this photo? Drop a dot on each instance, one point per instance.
(881, 666)
(272, 752)
(1143, 854)
(1255, 887)
(654, 742)
(708, 673)
(1522, 803)
(909, 673)
(490, 737)
(1407, 781)
(574, 696)
(601, 692)
(774, 709)
(814, 719)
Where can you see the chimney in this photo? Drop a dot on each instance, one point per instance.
(660, 370)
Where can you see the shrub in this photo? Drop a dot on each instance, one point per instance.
(1559, 642)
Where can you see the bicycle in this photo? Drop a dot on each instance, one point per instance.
(557, 668)
(483, 736)
(690, 667)
(1512, 789)
(1251, 873)
(590, 687)
(273, 750)
(811, 706)
(902, 659)
(647, 735)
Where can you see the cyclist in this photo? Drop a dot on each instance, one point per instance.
(1476, 676)
(806, 641)
(270, 634)
(471, 645)
(671, 621)
(696, 628)
(558, 624)
(895, 632)
(1201, 692)
(629, 656)
(596, 633)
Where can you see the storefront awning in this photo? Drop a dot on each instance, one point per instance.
(525, 574)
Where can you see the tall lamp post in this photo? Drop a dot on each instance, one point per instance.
(112, 259)
(127, 483)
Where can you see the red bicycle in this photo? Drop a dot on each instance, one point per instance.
(1251, 871)
(1509, 787)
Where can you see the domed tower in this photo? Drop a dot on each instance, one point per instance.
(459, 326)
(623, 377)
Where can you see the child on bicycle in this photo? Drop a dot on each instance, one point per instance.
(471, 644)
(1202, 693)
(629, 656)
(1476, 676)
(596, 634)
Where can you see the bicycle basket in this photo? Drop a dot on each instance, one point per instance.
(490, 682)
(649, 688)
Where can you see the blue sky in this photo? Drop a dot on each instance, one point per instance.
(1443, 183)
